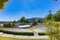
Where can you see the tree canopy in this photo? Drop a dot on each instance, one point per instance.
(2, 3)
(49, 16)
(24, 20)
(9, 24)
(56, 16)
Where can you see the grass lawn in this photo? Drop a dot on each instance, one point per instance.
(31, 28)
(6, 38)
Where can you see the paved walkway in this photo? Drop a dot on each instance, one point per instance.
(41, 28)
(19, 36)
(35, 31)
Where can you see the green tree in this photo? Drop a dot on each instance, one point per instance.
(49, 16)
(22, 20)
(9, 24)
(2, 3)
(40, 21)
(34, 23)
(56, 16)
(14, 21)
(27, 21)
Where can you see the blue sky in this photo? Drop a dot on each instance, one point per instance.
(15, 9)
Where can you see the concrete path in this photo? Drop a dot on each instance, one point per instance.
(35, 31)
(19, 36)
(41, 28)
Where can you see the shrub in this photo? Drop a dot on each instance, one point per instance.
(41, 33)
(17, 33)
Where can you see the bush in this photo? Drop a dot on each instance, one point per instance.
(34, 23)
(41, 33)
(17, 33)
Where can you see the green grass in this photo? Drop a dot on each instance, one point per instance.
(6, 38)
(31, 28)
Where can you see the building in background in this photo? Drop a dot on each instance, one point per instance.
(1, 24)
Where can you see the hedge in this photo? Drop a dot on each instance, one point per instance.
(17, 33)
(39, 33)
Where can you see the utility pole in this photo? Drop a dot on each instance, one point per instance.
(50, 24)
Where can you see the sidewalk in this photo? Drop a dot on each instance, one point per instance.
(19, 36)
